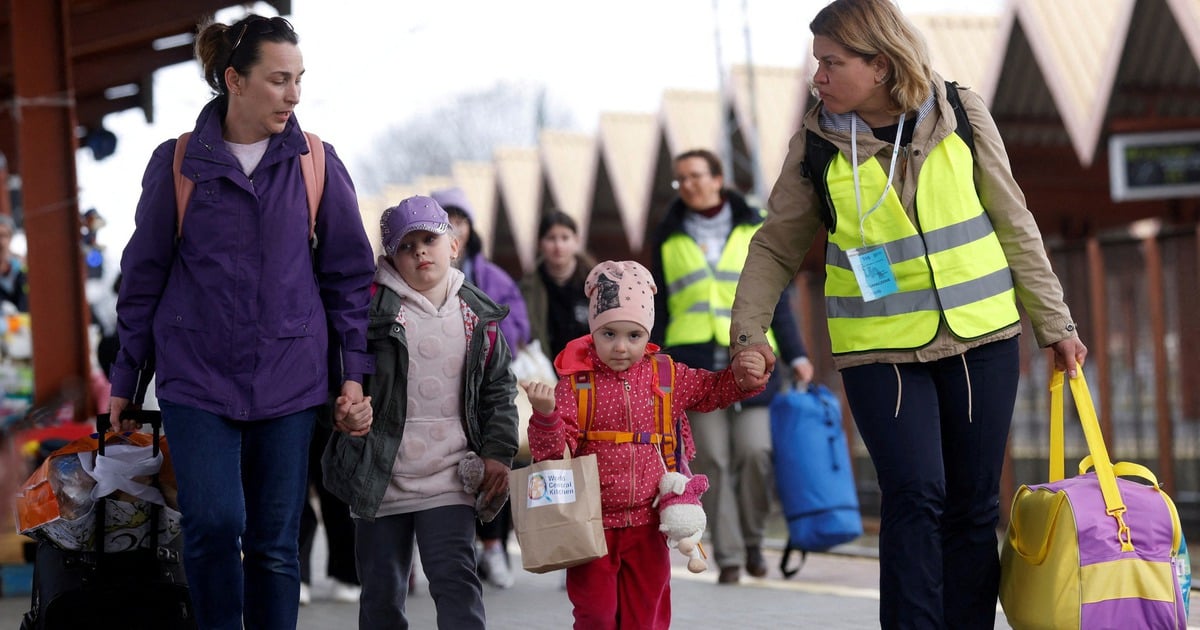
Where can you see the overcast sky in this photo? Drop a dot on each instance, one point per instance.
(373, 64)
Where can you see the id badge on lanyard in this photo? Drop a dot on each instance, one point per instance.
(870, 263)
(873, 271)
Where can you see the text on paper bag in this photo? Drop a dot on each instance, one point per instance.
(549, 487)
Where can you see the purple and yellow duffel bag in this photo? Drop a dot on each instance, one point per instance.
(1094, 551)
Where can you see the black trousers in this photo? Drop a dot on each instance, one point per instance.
(339, 527)
(937, 433)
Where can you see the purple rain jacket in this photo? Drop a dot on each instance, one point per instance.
(236, 316)
(500, 287)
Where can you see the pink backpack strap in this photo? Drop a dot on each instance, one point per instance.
(312, 168)
(311, 164)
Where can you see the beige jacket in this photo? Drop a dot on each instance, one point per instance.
(793, 219)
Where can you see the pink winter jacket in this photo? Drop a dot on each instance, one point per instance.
(629, 473)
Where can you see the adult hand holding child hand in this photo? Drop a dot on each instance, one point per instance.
(352, 412)
(750, 368)
(745, 379)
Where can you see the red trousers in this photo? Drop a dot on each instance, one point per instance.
(630, 588)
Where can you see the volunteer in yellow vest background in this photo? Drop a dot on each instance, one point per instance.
(930, 243)
(698, 251)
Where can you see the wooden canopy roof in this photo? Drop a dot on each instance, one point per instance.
(64, 65)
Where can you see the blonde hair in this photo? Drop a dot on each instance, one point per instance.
(876, 27)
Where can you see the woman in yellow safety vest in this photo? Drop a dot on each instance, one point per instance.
(929, 245)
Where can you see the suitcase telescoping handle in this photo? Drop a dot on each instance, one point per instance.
(152, 417)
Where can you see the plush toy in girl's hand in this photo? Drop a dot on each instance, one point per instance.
(471, 470)
(681, 516)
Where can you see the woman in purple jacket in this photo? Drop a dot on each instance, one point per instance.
(235, 314)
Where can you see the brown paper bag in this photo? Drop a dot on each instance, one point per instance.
(556, 513)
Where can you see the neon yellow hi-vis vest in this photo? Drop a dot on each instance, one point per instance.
(700, 298)
(952, 268)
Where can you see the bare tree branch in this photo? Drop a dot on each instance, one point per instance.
(470, 127)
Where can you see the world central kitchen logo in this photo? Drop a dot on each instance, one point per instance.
(551, 486)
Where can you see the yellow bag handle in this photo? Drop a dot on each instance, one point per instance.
(1043, 550)
(1131, 469)
(1113, 503)
(1123, 469)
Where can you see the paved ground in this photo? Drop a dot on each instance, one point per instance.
(832, 591)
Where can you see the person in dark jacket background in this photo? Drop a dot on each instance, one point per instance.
(553, 291)
(237, 313)
(481, 272)
(698, 252)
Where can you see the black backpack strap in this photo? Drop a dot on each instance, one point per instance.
(787, 554)
(963, 127)
(818, 153)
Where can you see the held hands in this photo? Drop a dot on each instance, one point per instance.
(352, 412)
(752, 366)
(541, 396)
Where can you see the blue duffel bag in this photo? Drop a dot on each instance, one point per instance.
(812, 472)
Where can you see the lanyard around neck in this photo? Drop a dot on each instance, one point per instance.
(862, 217)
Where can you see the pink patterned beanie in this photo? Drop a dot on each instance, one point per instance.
(620, 292)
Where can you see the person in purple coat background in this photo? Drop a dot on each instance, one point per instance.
(235, 316)
(481, 272)
(494, 565)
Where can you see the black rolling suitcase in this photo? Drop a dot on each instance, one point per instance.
(143, 589)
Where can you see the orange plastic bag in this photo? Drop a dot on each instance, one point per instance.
(37, 502)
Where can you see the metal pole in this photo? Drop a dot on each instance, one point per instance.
(726, 148)
(752, 134)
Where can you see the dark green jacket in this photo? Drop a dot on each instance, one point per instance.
(358, 469)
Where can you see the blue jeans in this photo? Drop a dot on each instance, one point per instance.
(936, 433)
(241, 491)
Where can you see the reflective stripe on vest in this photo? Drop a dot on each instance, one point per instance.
(953, 268)
(700, 298)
